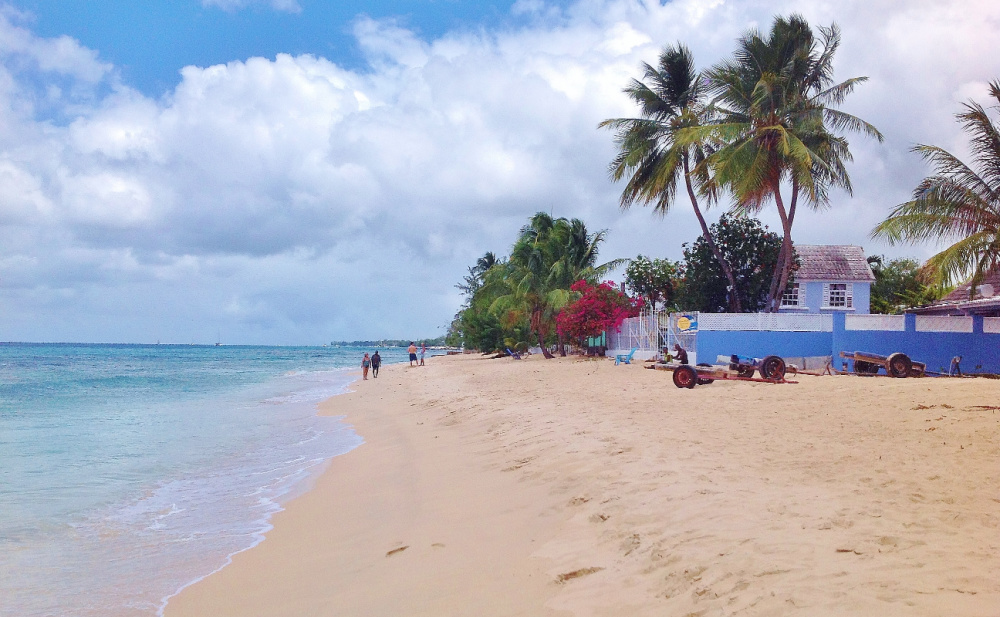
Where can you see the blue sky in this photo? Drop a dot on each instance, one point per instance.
(296, 172)
(150, 40)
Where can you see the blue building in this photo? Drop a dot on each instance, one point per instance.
(830, 279)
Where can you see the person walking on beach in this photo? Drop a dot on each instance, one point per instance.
(412, 349)
(376, 362)
(423, 351)
(365, 363)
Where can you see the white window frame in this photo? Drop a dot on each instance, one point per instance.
(848, 296)
(794, 297)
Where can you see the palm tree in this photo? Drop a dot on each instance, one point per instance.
(575, 252)
(549, 255)
(776, 126)
(649, 153)
(472, 281)
(958, 201)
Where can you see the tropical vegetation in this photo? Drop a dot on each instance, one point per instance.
(750, 248)
(600, 308)
(656, 280)
(514, 302)
(898, 285)
(959, 202)
(771, 132)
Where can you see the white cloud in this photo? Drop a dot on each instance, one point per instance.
(294, 201)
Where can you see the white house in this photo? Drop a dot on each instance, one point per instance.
(830, 278)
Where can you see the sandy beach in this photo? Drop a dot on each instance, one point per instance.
(574, 487)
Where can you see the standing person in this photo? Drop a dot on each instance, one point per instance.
(412, 349)
(423, 351)
(365, 363)
(376, 362)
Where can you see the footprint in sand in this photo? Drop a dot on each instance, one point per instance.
(396, 550)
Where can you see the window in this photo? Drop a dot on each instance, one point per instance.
(793, 296)
(838, 295)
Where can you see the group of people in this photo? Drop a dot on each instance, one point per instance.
(374, 361)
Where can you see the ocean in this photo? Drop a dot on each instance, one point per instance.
(130, 471)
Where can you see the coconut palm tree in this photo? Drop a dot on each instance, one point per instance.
(776, 126)
(549, 255)
(959, 202)
(472, 281)
(575, 252)
(649, 154)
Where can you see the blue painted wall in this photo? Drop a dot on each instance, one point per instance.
(980, 352)
(759, 344)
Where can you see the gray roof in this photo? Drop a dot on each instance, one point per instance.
(958, 301)
(836, 262)
(961, 293)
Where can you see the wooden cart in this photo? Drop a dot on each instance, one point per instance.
(770, 368)
(897, 364)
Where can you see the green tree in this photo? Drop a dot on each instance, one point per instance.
(898, 287)
(752, 251)
(549, 255)
(959, 202)
(649, 153)
(776, 126)
(655, 280)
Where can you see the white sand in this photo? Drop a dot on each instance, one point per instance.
(574, 487)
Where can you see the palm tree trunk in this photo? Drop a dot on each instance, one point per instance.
(562, 345)
(541, 343)
(734, 299)
(780, 276)
(536, 318)
(786, 266)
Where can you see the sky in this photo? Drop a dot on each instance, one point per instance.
(292, 172)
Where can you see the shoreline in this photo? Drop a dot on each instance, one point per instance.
(387, 524)
(573, 487)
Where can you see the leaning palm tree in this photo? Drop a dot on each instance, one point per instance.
(649, 153)
(959, 202)
(776, 126)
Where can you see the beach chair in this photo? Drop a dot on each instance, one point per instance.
(625, 358)
(513, 354)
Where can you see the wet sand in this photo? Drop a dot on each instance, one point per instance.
(574, 487)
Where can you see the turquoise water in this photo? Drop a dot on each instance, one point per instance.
(129, 471)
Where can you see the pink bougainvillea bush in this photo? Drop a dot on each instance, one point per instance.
(599, 308)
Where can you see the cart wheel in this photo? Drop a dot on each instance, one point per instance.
(898, 365)
(772, 367)
(745, 371)
(685, 376)
(865, 368)
(705, 381)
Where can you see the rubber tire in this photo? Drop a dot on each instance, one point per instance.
(865, 368)
(898, 365)
(772, 367)
(745, 371)
(685, 376)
